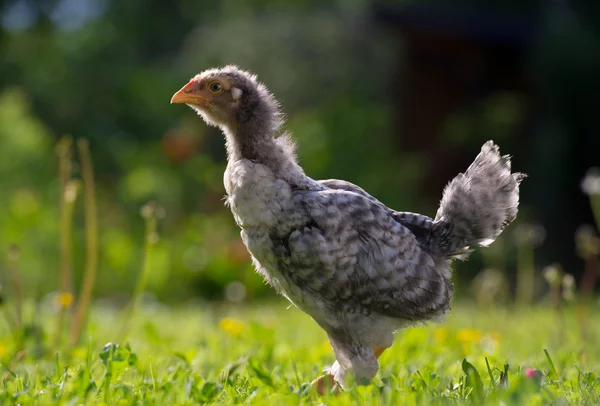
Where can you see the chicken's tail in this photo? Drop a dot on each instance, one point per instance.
(478, 204)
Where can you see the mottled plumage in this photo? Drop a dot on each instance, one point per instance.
(358, 268)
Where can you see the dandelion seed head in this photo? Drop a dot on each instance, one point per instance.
(71, 190)
(568, 284)
(553, 275)
(148, 210)
(153, 238)
(590, 185)
(235, 292)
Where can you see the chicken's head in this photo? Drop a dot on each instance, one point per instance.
(227, 97)
(216, 94)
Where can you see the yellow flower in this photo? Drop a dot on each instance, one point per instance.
(65, 300)
(3, 350)
(440, 335)
(325, 347)
(468, 335)
(232, 326)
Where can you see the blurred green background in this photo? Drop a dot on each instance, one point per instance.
(396, 96)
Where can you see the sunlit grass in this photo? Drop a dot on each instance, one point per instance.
(268, 354)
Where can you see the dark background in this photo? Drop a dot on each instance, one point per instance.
(396, 96)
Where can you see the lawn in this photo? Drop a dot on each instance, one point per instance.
(268, 354)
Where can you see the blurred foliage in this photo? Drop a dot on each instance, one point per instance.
(106, 69)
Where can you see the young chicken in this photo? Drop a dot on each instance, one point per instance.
(361, 270)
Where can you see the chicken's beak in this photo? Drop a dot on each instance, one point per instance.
(189, 95)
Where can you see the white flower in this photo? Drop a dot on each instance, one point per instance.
(591, 183)
(568, 284)
(553, 275)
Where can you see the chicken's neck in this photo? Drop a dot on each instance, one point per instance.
(244, 143)
(255, 141)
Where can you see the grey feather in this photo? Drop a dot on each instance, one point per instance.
(478, 204)
(352, 251)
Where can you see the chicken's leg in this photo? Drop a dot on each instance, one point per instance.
(326, 382)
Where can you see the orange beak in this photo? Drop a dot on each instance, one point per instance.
(189, 94)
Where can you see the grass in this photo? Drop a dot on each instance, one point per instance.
(268, 355)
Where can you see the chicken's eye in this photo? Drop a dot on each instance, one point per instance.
(215, 87)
